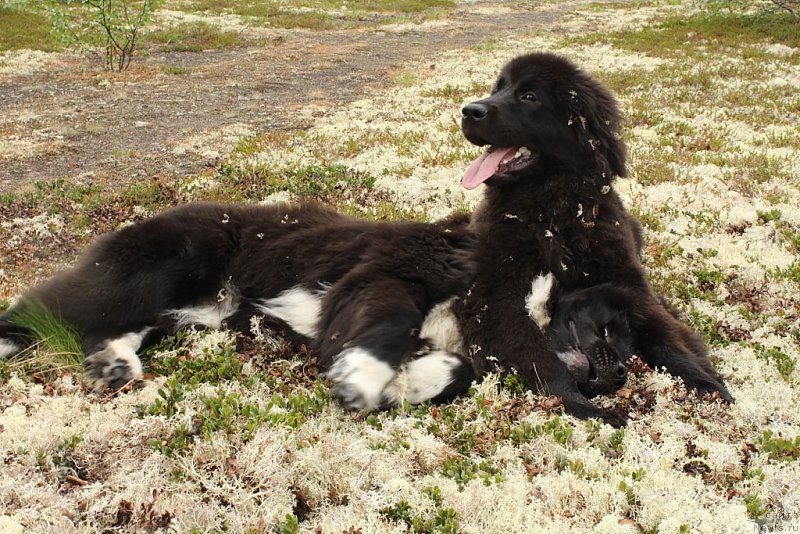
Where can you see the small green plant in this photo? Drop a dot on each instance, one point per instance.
(290, 525)
(756, 508)
(784, 363)
(443, 521)
(112, 24)
(777, 447)
(61, 459)
(167, 403)
(462, 470)
(514, 385)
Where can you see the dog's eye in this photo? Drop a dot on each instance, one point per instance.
(606, 333)
(530, 96)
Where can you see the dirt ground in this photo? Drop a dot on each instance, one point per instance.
(70, 119)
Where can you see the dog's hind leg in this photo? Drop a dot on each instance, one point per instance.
(368, 326)
(113, 362)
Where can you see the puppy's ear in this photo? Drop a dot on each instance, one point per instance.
(595, 117)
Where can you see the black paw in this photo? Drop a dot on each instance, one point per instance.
(587, 410)
(709, 385)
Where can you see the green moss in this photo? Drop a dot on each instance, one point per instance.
(677, 36)
(192, 37)
(20, 29)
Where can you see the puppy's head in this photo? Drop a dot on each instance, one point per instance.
(591, 334)
(544, 115)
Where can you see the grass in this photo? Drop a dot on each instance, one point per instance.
(321, 14)
(192, 37)
(20, 29)
(701, 34)
(54, 346)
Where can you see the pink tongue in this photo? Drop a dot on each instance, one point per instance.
(485, 166)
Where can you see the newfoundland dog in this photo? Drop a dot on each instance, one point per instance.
(552, 153)
(405, 310)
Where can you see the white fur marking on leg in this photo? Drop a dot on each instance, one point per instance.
(429, 375)
(441, 328)
(8, 348)
(298, 307)
(360, 378)
(125, 348)
(209, 315)
(109, 364)
(536, 301)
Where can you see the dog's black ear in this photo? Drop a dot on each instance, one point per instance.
(595, 117)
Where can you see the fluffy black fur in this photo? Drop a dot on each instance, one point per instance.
(590, 331)
(352, 285)
(555, 211)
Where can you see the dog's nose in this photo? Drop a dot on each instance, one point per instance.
(621, 371)
(475, 111)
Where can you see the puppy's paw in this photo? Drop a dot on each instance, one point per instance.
(360, 380)
(587, 410)
(112, 368)
(709, 384)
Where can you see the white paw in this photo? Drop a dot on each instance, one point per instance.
(360, 379)
(429, 375)
(116, 364)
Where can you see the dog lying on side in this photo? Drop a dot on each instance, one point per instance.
(589, 329)
(356, 292)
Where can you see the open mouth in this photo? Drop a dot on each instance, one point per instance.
(497, 161)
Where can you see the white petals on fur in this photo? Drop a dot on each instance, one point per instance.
(297, 307)
(8, 348)
(536, 301)
(359, 379)
(209, 315)
(429, 375)
(441, 328)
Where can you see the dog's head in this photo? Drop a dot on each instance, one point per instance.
(591, 333)
(544, 115)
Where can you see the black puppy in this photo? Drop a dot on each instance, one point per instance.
(553, 152)
(355, 291)
(588, 328)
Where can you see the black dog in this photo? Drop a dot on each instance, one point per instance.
(553, 153)
(589, 330)
(355, 291)
(363, 294)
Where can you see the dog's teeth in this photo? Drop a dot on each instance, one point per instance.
(525, 151)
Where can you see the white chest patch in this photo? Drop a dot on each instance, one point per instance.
(536, 301)
(297, 307)
(441, 328)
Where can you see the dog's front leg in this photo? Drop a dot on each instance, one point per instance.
(666, 342)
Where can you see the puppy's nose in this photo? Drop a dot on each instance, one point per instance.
(621, 371)
(475, 111)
